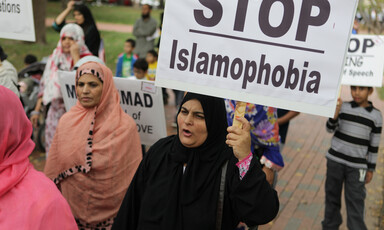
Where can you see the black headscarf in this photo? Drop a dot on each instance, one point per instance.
(203, 162)
(92, 35)
(216, 123)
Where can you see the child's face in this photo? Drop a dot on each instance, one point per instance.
(150, 58)
(128, 47)
(139, 73)
(360, 94)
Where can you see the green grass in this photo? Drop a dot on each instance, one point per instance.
(113, 41)
(113, 44)
(380, 91)
(106, 13)
(16, 50)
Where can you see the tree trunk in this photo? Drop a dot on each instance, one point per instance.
(39, 7)
(64, 4)
(162, 4)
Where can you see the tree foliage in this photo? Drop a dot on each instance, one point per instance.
(371, 14)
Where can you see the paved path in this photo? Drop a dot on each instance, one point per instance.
(103, 26)
(301, 182)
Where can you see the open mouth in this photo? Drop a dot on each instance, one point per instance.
(187, 133)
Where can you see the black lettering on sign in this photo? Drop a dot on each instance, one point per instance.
(286, 21)
(306, 19)
(126, 98)
(144, 128)
(354, 45)
(289, 75)
(368, 43)
(148, 101)
(137, 99)
(217, 13)
(71, 90)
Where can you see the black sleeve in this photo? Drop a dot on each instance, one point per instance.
(128, 215)
(252, 199)
(332, 125)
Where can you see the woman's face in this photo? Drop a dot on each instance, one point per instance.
(191, 121)
(88, 90)
(79, 17)
(66, 43)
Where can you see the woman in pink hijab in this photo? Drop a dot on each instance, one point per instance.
(28, 199)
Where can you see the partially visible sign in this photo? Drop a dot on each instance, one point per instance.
(142, 100)
(365, 61)
(16, 20)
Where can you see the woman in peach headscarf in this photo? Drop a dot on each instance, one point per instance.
(28, 199)
(96, 150)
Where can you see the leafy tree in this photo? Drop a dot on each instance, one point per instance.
(371, 13)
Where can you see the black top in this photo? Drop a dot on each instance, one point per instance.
(283, 129)
(163, 196)
(92, 39)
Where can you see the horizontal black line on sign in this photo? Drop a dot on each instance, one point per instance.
(360, 55)
(257, 41)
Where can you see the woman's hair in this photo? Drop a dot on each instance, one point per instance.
(30, 59)
(86, 12)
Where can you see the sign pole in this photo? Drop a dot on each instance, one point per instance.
(239, 112)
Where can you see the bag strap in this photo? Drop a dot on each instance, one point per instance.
(220, 203)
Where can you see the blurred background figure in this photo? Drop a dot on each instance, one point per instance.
(69, 50)
(145, 31)
(83, 17)
(8, 73)
(126, 60)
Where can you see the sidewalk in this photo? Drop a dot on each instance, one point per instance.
(102, 26)
(301, 182)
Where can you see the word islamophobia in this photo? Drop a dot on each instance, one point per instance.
(248, 71)
(9, 8)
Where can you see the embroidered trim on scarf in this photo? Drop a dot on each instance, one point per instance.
(88, 157)
(107, 224)
(99, 75)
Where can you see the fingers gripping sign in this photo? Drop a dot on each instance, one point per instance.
(239, 138)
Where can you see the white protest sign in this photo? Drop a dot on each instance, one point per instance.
(282, 53)
(365, 61)
(142, 100)
(16, 20)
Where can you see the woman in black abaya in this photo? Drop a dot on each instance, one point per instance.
(177, 184)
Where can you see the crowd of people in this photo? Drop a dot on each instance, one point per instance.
(209, 175)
